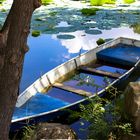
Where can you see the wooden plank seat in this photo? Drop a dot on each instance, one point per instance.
(100, 72)
(72, 89)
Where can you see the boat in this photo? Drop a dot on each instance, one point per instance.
(52, 94)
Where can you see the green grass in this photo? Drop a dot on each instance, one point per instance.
(89, 11)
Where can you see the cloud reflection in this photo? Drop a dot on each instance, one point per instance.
(86, 41)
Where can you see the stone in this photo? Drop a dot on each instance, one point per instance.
(128, 137)
(132, 103)
(132, 99)
(46, 131)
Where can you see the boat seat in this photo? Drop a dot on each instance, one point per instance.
(100, 72)
(122, 54)
(72, 89)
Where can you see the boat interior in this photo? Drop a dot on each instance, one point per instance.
(111, 63)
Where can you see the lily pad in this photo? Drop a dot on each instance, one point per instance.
(93, 32)
(108, 39)
(35, 33)
(65, 36)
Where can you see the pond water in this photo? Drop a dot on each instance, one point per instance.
(47, 52)
(65, 33)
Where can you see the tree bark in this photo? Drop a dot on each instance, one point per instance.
(13, 46)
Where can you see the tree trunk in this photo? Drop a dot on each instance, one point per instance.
(13, 46)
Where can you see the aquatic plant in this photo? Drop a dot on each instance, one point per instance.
(101, 2)
(89, 11)
(128, 1)
(97, 2)
(46, 2)
(100, 41)
(110, 1)
(1, 1)
(93, 32)
(65, 36)
(35, 33)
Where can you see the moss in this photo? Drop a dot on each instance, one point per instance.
(100, 41)
(35, 33)
(89, 11)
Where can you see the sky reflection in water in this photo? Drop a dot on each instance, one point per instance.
(47, 51)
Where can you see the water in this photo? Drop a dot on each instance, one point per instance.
(45, 53)
(65, 33)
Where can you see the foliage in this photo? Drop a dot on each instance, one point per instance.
(128, 1)
(46, 2)
(106, 117)
(89, 11)
(100, 41)
(35, 33)
(28, 132)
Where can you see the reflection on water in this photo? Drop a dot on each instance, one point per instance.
(44, 54)
(47, 51)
